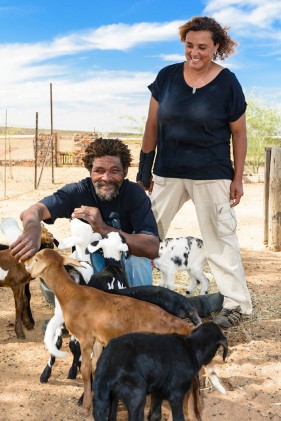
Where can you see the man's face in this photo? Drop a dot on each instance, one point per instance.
(107, 176)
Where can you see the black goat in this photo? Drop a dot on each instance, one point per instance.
(173, 302)
(135, 365)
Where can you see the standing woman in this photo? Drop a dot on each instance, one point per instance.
(196, 109)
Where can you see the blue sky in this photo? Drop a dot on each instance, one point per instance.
(101, 55)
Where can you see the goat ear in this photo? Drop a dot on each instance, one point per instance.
(70, 261)
(224, 344)
(126, 254)
(123, 247)
(66, 243)
(94, 246)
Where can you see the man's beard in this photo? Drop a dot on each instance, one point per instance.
(106, 195)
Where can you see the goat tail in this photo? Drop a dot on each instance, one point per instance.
(50, 340)
(53, 331)
(214, 379)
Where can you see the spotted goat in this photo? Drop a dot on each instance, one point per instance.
(183, 254)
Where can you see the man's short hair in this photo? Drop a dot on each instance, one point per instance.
(112, 147)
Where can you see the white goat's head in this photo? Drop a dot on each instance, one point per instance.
(112, 245)
(81, 235)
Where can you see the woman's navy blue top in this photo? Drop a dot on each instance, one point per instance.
(193, 129)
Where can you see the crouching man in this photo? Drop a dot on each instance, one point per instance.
(108, 202)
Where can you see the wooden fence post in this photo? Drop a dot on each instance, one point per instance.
(274, 220)
(267, 157)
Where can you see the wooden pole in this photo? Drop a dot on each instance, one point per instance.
(274, 240)
(267, 157)
(36, 151)
(5, 156)
(52, 140)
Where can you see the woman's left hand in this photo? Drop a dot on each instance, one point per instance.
(236, 192)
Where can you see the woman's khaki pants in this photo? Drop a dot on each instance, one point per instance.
(217, 223)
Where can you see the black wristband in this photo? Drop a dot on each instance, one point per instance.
(145, 167)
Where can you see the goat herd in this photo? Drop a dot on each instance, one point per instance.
(136, 341)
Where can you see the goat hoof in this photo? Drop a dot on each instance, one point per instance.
(80, 400)
(45, 375)
(72, 374)
(20, 335)
(29, 326)
(85, 411)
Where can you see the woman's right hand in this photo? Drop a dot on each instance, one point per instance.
(148, 189)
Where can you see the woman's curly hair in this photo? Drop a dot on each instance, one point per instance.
(219, 34)
(101, 147)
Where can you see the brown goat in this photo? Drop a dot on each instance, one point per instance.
(15, 276)
(92, 315)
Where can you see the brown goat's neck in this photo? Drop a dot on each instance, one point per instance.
(60, 282)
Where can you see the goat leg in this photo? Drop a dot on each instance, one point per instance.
(18, 297)
(86, 371)
(193, 404)
(27, 317)
(27, 307)
(155, 413)
(74, 347)
(206, 304)
(177, 409)
(46, 373)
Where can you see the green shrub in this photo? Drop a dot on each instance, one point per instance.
(263, 130)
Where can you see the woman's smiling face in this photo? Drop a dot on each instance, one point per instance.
(199, 49)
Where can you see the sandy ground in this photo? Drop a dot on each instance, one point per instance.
(252, 374)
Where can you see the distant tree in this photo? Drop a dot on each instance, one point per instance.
(263, 126)
(15, 131)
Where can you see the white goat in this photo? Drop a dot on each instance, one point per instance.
(82, 235)
(182, 253)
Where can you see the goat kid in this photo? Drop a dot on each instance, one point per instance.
(53, 334)
(111, 278)
(14, 275)
(81, 235)
(137, 364)
(183, 254)
(92, 315)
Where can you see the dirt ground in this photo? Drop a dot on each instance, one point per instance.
(252, 374)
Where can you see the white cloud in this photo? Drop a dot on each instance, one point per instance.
(172, 57)
(246, 14)
(123, 37)
(111, 37)
(29, 68)
(97, 102)
(84, 99)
